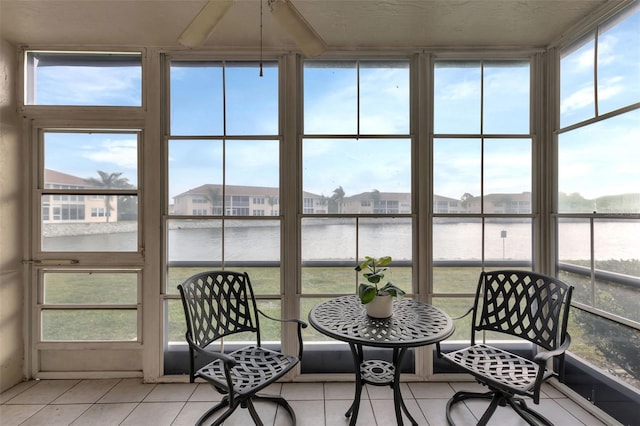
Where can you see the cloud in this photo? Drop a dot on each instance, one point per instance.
(462, 90)
(357, 165)
(579, 99)
(514, 82)
(610, 87)
(384, 102)
(580, 60)
(594, 168)
(607, 44)
(121, 153)
(89, 86)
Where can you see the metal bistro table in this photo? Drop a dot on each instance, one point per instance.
(412, 324)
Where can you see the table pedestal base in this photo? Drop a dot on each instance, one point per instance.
(378, 373)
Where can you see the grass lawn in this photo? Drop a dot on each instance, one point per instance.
(102, 305)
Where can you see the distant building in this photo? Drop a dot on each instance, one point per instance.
(264, 201)
(314, 204)
(75, 208)
(506, 203)
(376, 202)
(242, 200)
(238, 201)
(443, 205)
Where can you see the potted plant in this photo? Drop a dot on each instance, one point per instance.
(377, 300)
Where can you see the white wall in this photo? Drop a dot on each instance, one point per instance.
(11, 225)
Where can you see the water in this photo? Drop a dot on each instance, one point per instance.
(337, 239)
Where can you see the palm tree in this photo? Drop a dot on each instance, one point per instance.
(213, 195)
(272, 200)
(337, 197)
(108, 181)
(375, 197)
(466, 200)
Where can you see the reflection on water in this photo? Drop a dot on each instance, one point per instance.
(451, 241)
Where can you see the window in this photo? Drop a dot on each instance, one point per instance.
(99, 171)
(598, 221)
(89, 306)
(356, 162)
(611, 52)
(223, 183)
(97, 212)
(87, 248)
(89, 181)
(83, 78)
(369, 102)
(482, 175)
(482, 217)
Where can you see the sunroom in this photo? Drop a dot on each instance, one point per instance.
(141, 146)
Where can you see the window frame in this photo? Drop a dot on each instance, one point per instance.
(57, 359)
(599, 378)
(534, 215)
(173, 353)
(560, 50)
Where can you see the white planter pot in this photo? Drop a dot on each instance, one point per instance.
(380, 307)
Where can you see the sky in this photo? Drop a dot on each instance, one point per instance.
(339, 101)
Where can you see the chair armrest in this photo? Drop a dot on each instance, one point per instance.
(230, 362)
(438, 351)
(463, 315)
(542, 357)
(300, 322)
(300, 325)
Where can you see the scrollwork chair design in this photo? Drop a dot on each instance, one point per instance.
(218, 304)
(523, 304)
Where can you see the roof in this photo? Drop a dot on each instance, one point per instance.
(59, 178)
(239, 190)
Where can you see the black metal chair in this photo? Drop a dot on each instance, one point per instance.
(523, 304)
(218, 304)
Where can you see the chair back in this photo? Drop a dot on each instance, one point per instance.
(217, 304)
(524, 304)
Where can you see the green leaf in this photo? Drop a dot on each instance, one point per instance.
(366, 264)
(376, 269)
(373, 278)
(385, 260)
(392, 289)
(366, 292)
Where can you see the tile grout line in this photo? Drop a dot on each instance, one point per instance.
(410, 395)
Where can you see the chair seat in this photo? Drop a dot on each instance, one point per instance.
(256, 368)
(500, 368)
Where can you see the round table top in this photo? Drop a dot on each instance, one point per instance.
(412, 324)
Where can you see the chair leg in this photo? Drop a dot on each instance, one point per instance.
(497, 399)
(249, 405)
(520, 406)
(222, 404)
(461, 396)
(253, 412)
(280, 401)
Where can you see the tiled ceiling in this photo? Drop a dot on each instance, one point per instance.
(343, 24)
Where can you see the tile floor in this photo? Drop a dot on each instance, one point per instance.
(131, 402)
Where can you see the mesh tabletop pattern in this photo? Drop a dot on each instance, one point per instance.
(412, 323)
